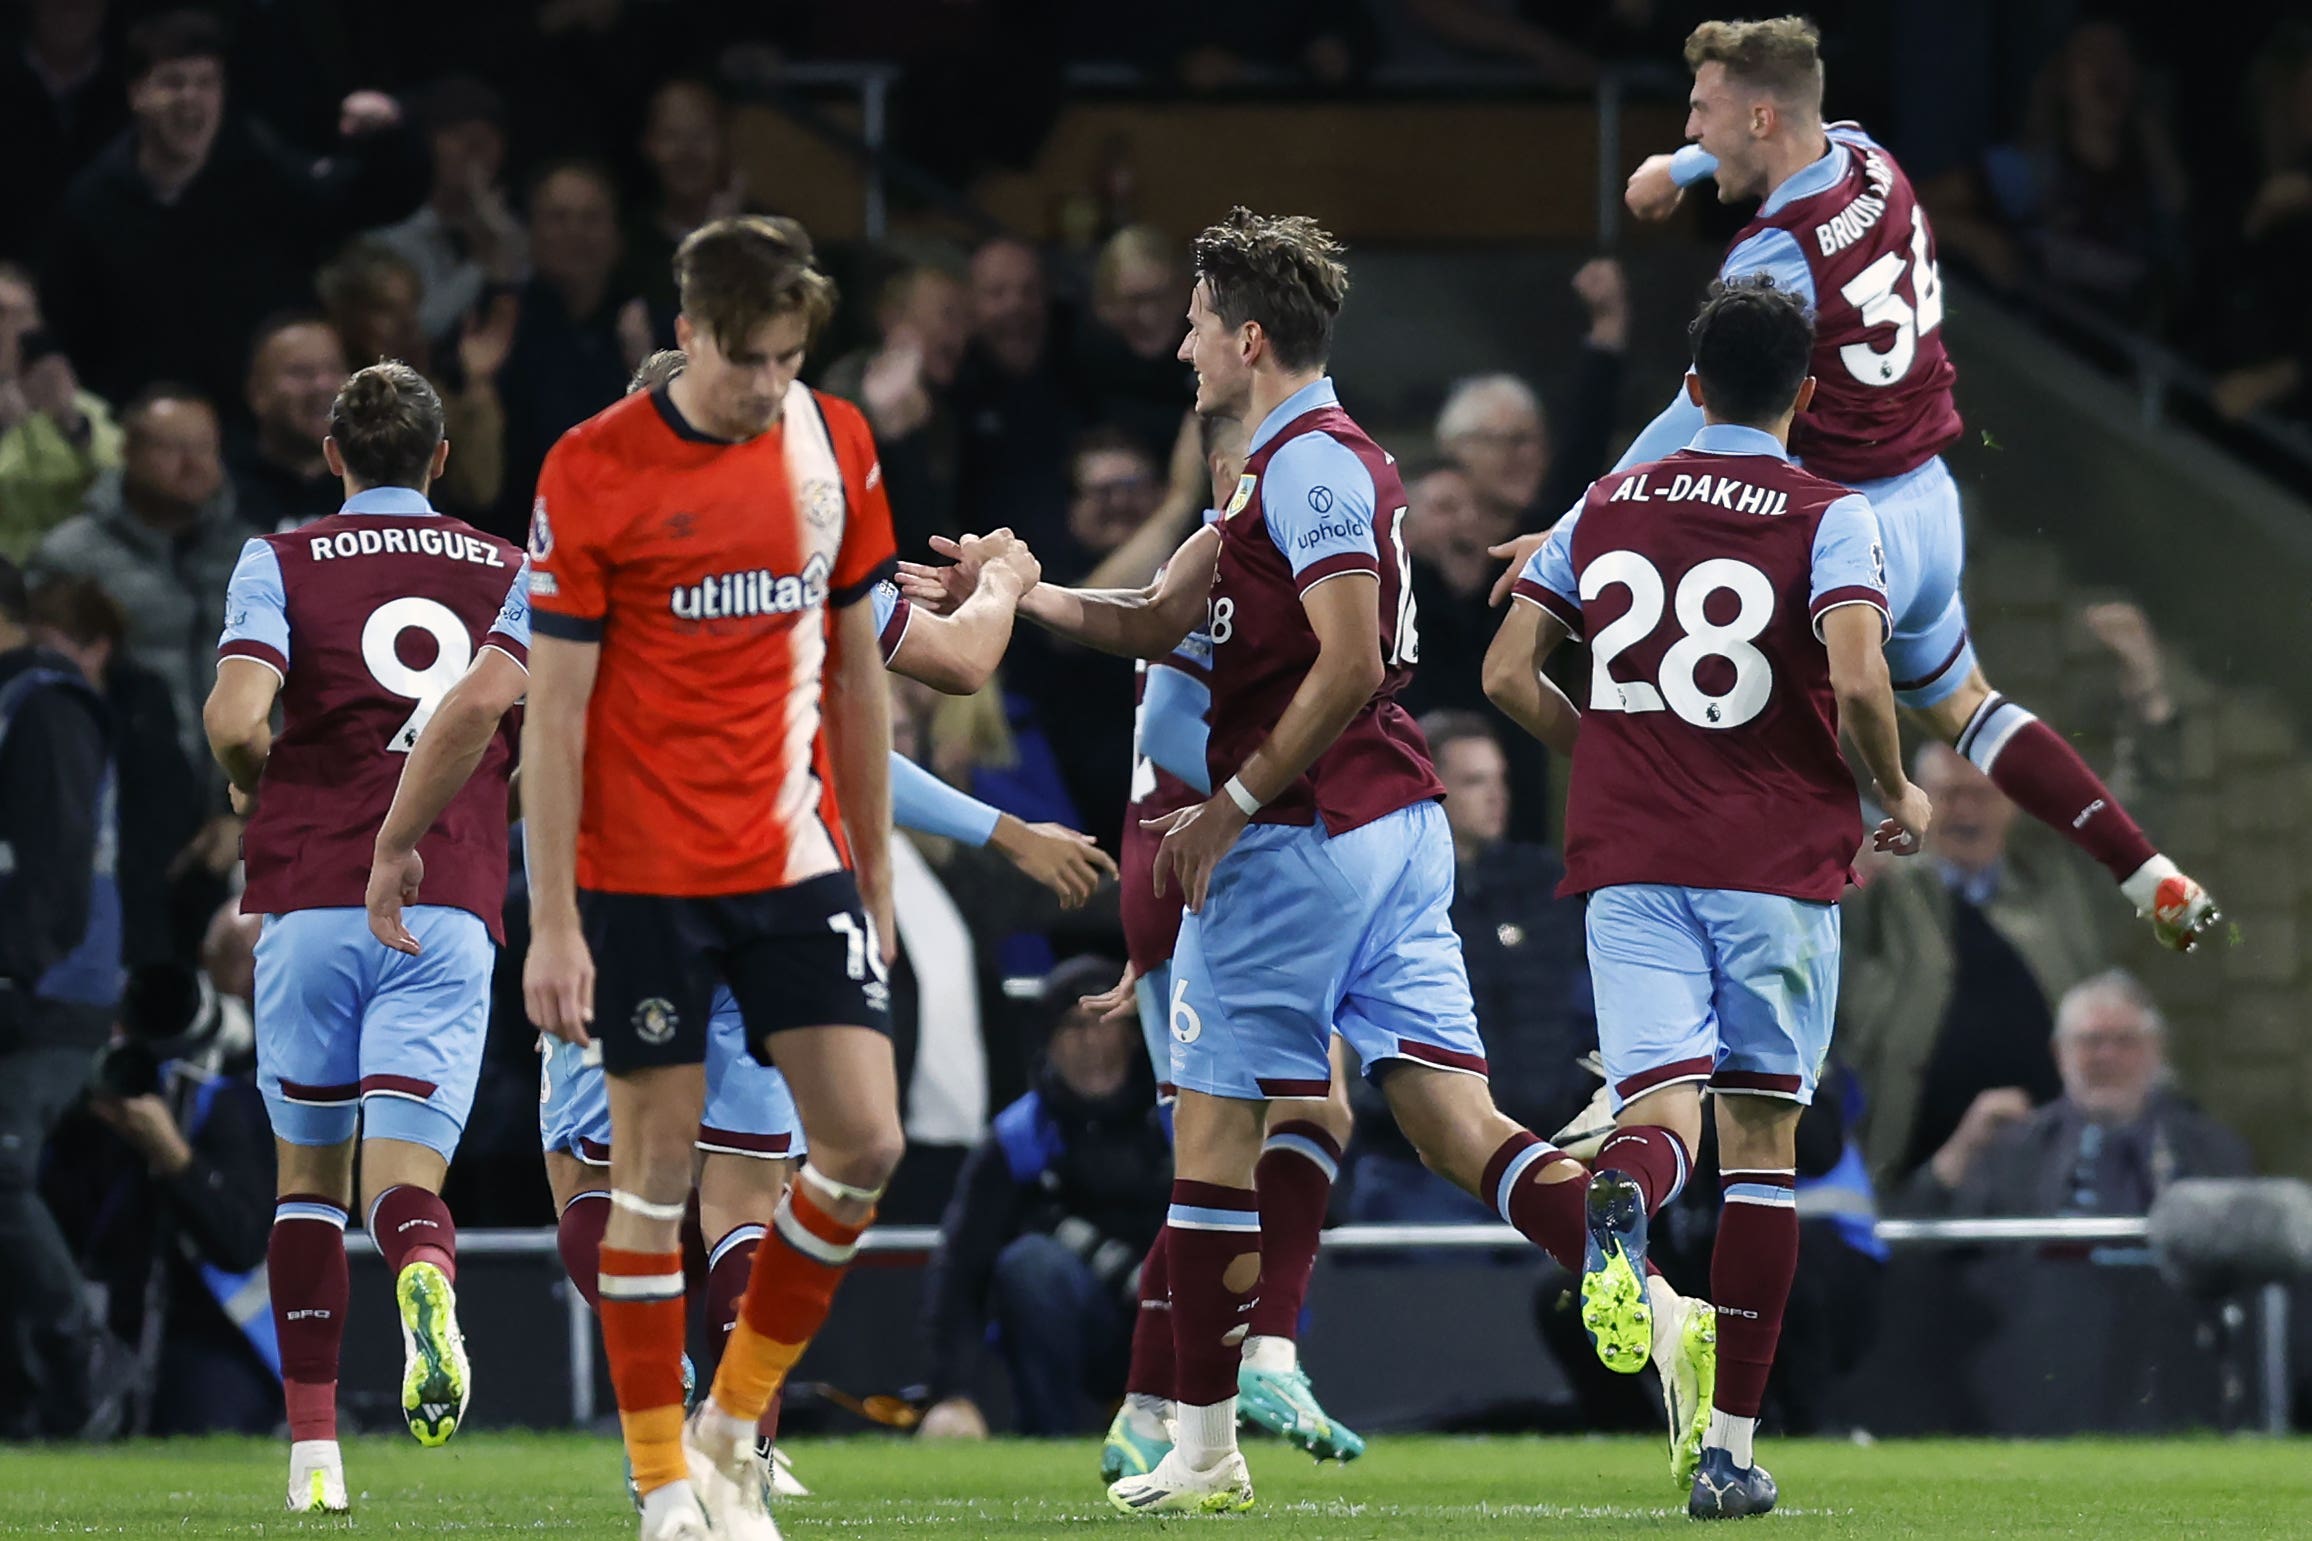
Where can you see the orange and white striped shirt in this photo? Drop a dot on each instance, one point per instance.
(685, 558)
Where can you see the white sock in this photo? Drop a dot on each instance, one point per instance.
(659, 1500)
(2142, 886)
(1206, 1435)
(1146, 1413)
(306, 1454)
(716, 1427)
(1732, 1435)
(1277, 1356)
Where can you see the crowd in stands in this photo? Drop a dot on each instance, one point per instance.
(205, 222)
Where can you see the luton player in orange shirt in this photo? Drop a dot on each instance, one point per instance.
(702, 812)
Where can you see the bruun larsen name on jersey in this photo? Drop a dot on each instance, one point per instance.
(757, 591)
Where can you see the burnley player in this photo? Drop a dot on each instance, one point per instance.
(356, 625)
(1736, 613)
(1301, 1156)
(1840, 227)
(1318, 881)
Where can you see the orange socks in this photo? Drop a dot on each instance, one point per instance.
(797, 1266)
(642, 1332)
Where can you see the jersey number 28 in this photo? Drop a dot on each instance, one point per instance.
(381, 651)
(1700, 638)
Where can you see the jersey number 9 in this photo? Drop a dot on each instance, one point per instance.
(381, 651)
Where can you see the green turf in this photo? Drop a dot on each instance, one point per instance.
(567, 1486)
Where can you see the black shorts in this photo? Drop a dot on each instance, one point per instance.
(793, 957)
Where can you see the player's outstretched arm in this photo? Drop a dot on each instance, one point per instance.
(1855, 635)
(858, 713)
(1145, 622)
(238, 718)
(957, 653)
(1070, 864)
(439, 765)
(558, 974)
(1514, 681)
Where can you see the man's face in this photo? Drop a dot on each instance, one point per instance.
(573, 231)
(1008, 308)
(1720, 115)
(1476, 777)
(741, 389)
(1093, 1057)
(684, 144)
(1115, 492)
(1445, 519)
(1215, 350)
(1506, 454)
(939, 315)
(1143, 307)
(19, 313)
(468, 156)
(2109, 1056)
(1972, 816)
(171, 463)
(178, 106)
(295, 377)
(382, 322)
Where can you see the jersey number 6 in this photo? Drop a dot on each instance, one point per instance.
(380, 650)
(1702, 638)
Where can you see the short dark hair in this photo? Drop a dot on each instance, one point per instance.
(81, 609)
(172, 35)
(1107, 439)
(1283, 271)
(154, 394)
(15, 604)
(1753, 347)
(1416, 469)
(274, 325)
(735, 274)
(387, 423)
(1452, 724)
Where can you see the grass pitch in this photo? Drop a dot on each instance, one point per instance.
(567, 1486)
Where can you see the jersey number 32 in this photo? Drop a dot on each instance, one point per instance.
(1675, 689)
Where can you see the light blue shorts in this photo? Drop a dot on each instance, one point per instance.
(1712, 984)
(1303, 935)
(748, 1109)
(1930, 654)
(350, 1031)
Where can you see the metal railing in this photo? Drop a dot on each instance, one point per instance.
(917, 1241)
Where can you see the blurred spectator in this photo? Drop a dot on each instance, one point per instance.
(905, 384)
(162, 805)
(567, 362)
(686, 143)
(1127, 359)
(55, 438)
(161, 537)
(2269, 351)
(464, 239)
(1017, 408)
(280, 480)
(165, 1189)
(1528, 975)
(2095, 192)
(196, 224)
(374, 298)
(2118, 1134)
(60, 981)
(1051, 1215)
(1494, 428)
(61, 101)
(1113, 489)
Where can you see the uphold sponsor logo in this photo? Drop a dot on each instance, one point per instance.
(1328, 530)
(755, 592)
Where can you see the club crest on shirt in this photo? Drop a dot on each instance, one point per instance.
(541, 532)
(1244, 486)
(823, 503)
(655, 1020)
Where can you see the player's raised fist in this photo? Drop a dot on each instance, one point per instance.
(1651, 194)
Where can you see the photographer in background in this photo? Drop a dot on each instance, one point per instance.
(60, 980)
(1051, 1216)
(166, 1193)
